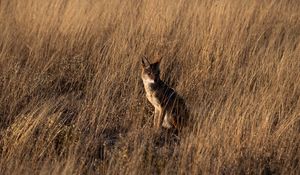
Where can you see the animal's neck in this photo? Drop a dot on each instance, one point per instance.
(148, 83)
(151, 85)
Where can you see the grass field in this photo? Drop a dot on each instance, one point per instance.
(72, 99)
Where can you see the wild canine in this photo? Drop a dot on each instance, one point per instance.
(170, 109)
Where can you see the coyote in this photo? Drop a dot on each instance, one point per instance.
(170, 109)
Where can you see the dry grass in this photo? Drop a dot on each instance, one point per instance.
(72, 100)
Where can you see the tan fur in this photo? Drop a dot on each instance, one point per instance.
(170, 109)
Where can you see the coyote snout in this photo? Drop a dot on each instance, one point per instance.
(170, 109)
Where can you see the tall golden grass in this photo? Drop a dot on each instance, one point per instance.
(72, 100)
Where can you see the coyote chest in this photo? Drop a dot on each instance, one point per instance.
(151, 96)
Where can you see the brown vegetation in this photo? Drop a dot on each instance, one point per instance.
(72, 100)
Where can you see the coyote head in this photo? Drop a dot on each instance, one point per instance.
(150, 72)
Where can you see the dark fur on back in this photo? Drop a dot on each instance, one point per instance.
(172, 102)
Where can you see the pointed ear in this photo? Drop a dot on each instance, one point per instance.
(156, 64)
(145, 62)
(159, 60)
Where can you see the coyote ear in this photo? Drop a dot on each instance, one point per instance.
(159, 60)
(156, 64)
(145, 62)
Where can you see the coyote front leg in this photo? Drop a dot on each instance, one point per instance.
(157, 118)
